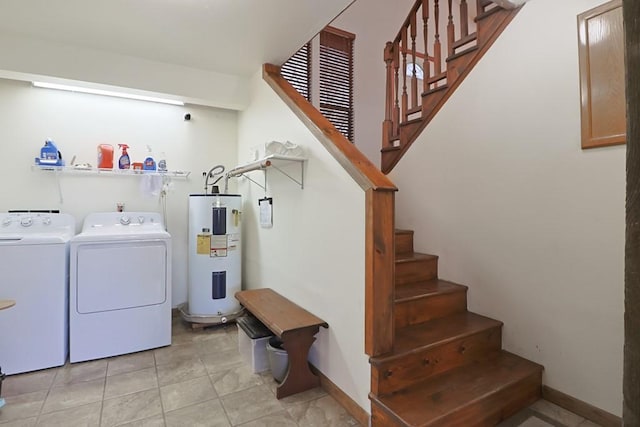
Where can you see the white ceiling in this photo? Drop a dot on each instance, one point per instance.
(227, 36)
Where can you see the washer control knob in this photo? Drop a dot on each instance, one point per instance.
(6, 222)
(46, 220)
(125, 220)
(141, 219)
(26, 221)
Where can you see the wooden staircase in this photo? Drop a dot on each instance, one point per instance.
(447, 367)
(411, 101)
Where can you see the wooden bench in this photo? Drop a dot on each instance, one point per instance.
(295, 326)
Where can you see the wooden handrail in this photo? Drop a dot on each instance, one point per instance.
(365, 173)
(379, 213)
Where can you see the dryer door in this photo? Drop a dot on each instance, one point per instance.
(120, 275)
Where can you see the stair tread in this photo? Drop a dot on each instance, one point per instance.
(390, 149)
(427, 288)
(462, 53)
(403, 231)
(464, 40)
(426, 402)
(413, 256)
(434, 90)
(437, 331)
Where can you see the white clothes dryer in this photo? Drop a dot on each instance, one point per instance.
(120, 285)
(34, 261)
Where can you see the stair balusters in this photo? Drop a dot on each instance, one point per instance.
(464, 19)
(426, 66)
(451, 32)
(414, 77)
(437, 47)
(411, 105)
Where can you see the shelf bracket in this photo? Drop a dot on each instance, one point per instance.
(264, 187)
(273, 161)
(299, 182)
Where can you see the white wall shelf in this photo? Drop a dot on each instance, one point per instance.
(72, 170)
(276, 161)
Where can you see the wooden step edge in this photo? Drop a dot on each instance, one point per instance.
(434, 90)
(441, 419)
(414, 257)
(411, 122)
(467, 39)
(534, 364)
(403, 231)
(390, 149)
(414, 110)
(449, 290)
(532, 372)
(462, 53)
(375, 400)
(535, 373)
(385, 359)
(488, 13)
(437, 78)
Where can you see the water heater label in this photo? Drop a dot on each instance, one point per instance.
(203, 244)
(218, 246)
(234, 241)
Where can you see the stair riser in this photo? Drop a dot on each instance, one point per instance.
(496, 407)
(457, 66)
(431, 307)
(388, 377)
(404, 243)
(416, 270)
(430, 101)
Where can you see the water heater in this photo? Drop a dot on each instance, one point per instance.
(215, 256)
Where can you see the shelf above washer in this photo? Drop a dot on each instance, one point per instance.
(71, 170)
(276, 161)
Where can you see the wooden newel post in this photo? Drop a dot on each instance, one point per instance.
(387, 125)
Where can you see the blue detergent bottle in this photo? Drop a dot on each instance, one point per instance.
(49, 155)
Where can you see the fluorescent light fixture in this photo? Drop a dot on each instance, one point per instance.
(105, 93)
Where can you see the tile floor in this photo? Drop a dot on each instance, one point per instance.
(200, 380)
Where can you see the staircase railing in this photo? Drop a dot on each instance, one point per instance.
(421, 61)
(419, 43)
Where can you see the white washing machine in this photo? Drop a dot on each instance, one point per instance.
(120, 285)
(34, 261)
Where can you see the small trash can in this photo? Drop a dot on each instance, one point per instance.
(252, 343)
(278, 359)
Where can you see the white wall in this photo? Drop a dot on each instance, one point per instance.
(78, 123)
(374, 22)
(499, 187)
(314, 254)
(24, 58)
